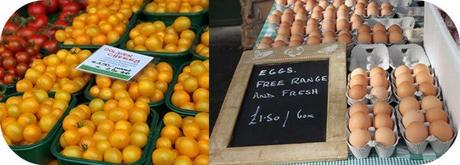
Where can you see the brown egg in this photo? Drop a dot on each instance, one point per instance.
(274, 19)
(323, 3)
(378, 27)
(380, 37)
(287, 18)
(330, 13)
(441, 130)
(402, 69)
(328, 39)
(379, 81)
(429, 102)
(267, 40)
(363, 2)
(360, 9)
(383, 121)
(312, 22)
(376, 71)
(345, 32)
(299, 38)
(318, 9)
(343, 7)
(297, 29)
(282, 38)
(412, 116)
(357, 92)
(423, 77)
(382, 108)
(317, 15)
(293, 43)
(372, 10)
(311, 28)
(356, 18)
(419, 68)
(313, 40)
(405, 89)
(310, 4)
(315, 33)
(364, 38)
(386, 5)
(358, 71)
(344, 38)
(298, 6)
(416, 132)
(396, 38)
(434, 114)
(359, 138)
(337, 3)
(329, 34)
(343, 24)
(405, 77)
(394, 28)
(359, 120)
(263, 46)
(380, 93)
(427, 89)
(301, 15)
(278, 44)
(358, 80)
(284, 31)
(328, 26)
(408, 104)
(386, 11)
(385, 136)
(358, 107)
(364, 29)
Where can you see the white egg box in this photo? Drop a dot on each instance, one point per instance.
(410, 11)
(409, 55)
(382, 151)
(438, 146)
(368, 56)
(368, 98)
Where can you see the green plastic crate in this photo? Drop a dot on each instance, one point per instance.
(177, 59)
(153, 135)
(195, 55)
(148, 160)
(183, 112)
(154, 105)
(39, 152)
(197, 18)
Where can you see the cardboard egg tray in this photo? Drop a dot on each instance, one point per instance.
(382, 151)
(368, 56)
(438, 146)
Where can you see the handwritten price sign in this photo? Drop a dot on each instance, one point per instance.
(115, 63)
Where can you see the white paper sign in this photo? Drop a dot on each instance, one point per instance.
(115, 63)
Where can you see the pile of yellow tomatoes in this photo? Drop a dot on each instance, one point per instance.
(192, 89)
(112, 131)
(28, 118)
(203, 47)
(176, 6)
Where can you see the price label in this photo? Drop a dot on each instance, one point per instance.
(115, 63)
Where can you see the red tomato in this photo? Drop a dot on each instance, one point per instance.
(62, 3)
(51, 5)
(61, 23)
(9, 78)
(71, 7)
(38, 21)
(15, 38)
(36, 8)
(10, 28)
(22, 57)
(38, 39)
(14, 45)
(50, 46)
(31, 50)
(26, 32)
(6, 53)
(9, 62)
(2, 73)
(21, 68)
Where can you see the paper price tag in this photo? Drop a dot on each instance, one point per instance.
(115, 63)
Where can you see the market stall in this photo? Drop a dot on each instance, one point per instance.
(106, 82)
(398, 109)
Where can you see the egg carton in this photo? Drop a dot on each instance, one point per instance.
(409, 55)
(438, 146)
(368, 98)
(418, 94)
(414, 36)
(382, 151)
(282, 7)
(405, 40)
(368, 56)
(409, 11)
(404, 23)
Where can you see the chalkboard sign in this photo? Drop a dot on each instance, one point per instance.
(284, 104)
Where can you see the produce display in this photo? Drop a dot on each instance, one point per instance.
(191, 91)
(28, 118)
(183, 140)
(176, 6)
(56, 72)
(150, 85)
(156, 37)
(103, 22)
(203, 47)
(112, 131)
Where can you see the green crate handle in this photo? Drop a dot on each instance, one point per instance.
(153, 135)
